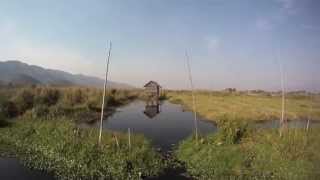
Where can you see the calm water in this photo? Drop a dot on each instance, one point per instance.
(11, 169)
(165, 125)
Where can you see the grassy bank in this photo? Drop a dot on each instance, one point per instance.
(72, 153)
(80, 104)
(218, 105)
(253, 154)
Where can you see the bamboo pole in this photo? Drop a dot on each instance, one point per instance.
(129, 138)
(193, 97)
(116, 139)
(310, 111)
(104, 93)
(283, 93)
(282, 120)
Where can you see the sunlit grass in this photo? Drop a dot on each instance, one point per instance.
(258, 155)
(215, 106)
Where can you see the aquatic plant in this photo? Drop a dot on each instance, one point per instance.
(259, 155)
(72, 153)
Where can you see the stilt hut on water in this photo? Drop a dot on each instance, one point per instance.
(153, 89)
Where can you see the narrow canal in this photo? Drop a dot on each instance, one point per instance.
(165, 125)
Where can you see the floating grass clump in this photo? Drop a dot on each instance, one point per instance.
(240, 153)
(60, 147)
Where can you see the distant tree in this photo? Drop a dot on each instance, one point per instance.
(230, 90)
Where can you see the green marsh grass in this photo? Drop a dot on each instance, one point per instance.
(60, 147)
(252, 154)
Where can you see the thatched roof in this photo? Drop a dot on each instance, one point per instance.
(151, 83)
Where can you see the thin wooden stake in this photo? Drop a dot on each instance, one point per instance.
(193, 97)
(104, 93)
(115, 138)
(129, 138)
(282, 121)
(309, 116)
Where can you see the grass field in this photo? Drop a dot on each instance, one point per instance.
(218, 105)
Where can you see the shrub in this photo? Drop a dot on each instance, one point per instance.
(210, 159)
(47, 96)
(39, 111)
(60, 110)
(231, 131)
(9, 109)
(3, 122)
(24, 100)
(73, 96)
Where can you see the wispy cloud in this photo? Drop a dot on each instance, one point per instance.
(264, 24)
(289, 6)
(310, 27)
(213, 43)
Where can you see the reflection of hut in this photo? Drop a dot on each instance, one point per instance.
(152, 90)
(152, 110)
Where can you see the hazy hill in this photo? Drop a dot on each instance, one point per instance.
(18, 73)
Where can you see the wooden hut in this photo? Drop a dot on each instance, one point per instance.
(153, 90)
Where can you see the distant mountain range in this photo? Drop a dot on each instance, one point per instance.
(19, 73)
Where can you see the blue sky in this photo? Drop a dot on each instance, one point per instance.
(232, 43)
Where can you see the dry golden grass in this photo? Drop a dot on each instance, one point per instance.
(217, 105)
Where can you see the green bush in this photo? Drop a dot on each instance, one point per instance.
(3, 122)
(47, 96)
(9, 109)
(208, 159)
(39, 111)
(24, 100)
(231, 131)
(60, 110)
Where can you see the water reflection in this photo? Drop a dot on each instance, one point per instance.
(170, 127)
(152, 109)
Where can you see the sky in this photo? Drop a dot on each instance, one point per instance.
(231, 43)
